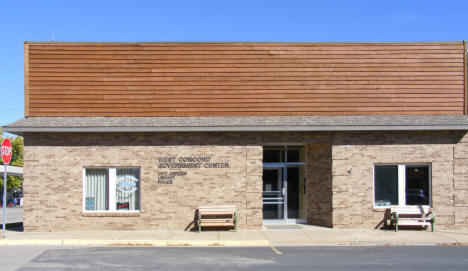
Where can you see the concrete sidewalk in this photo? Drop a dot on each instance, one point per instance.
(307, 236)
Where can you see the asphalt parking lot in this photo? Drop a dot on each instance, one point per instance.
(281, 258)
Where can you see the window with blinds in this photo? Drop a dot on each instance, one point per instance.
(111, 189)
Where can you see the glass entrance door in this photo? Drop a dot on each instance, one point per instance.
(284, 184)
(273, 196)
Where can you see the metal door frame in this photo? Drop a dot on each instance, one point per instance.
(284, 166)
(281, 183)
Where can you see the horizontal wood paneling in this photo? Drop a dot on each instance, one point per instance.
(243, 79)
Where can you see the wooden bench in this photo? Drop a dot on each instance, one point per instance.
(412, 216)
(217, 216)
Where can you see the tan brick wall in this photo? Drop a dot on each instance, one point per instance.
(339, 176)
(460, 186)
(53, 187)
(354, 155)
(319, 184)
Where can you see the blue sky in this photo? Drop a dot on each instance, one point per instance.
(254, 20)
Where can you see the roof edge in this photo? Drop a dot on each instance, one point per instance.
(240, 41)
(318, 128)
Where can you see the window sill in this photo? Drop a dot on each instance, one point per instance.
(385, 208)
(381, 209)
(110, 214)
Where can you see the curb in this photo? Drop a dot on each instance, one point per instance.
(202, 243)
(139, 243)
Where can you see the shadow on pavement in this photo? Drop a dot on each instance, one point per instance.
(18, 227)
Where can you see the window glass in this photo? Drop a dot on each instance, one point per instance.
(417, 185)
(272, 193)
(386, 185)
(127, 189)
(272, 155)
(277, 154)
(294, 155)
(96, 190)
(122, 183)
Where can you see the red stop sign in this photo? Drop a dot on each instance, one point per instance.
(6, 151)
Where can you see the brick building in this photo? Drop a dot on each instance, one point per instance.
(125, 136)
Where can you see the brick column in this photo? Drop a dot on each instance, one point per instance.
(460, 183)
(254, 171)
(319, 184)
(341, 186)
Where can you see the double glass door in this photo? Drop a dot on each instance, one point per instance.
(283, 183)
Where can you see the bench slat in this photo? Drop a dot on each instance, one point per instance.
(207, 224)
(414, 218)
(212, 221)
(226, 207)
(216, 219)
(217, 209)
(216, 213)
(413, 223)
(410, 209)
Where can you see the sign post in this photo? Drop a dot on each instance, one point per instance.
(6, 151)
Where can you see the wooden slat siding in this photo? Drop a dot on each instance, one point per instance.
(26, 80)
(226, 100)
(244, 79)
(465, 67)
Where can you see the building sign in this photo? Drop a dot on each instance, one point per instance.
(168, 177)
(189, 162)
(123, 205)
(181, 163)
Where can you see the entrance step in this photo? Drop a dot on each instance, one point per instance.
(283, 227)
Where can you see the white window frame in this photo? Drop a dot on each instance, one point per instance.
(112, 191)
(402, 183)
